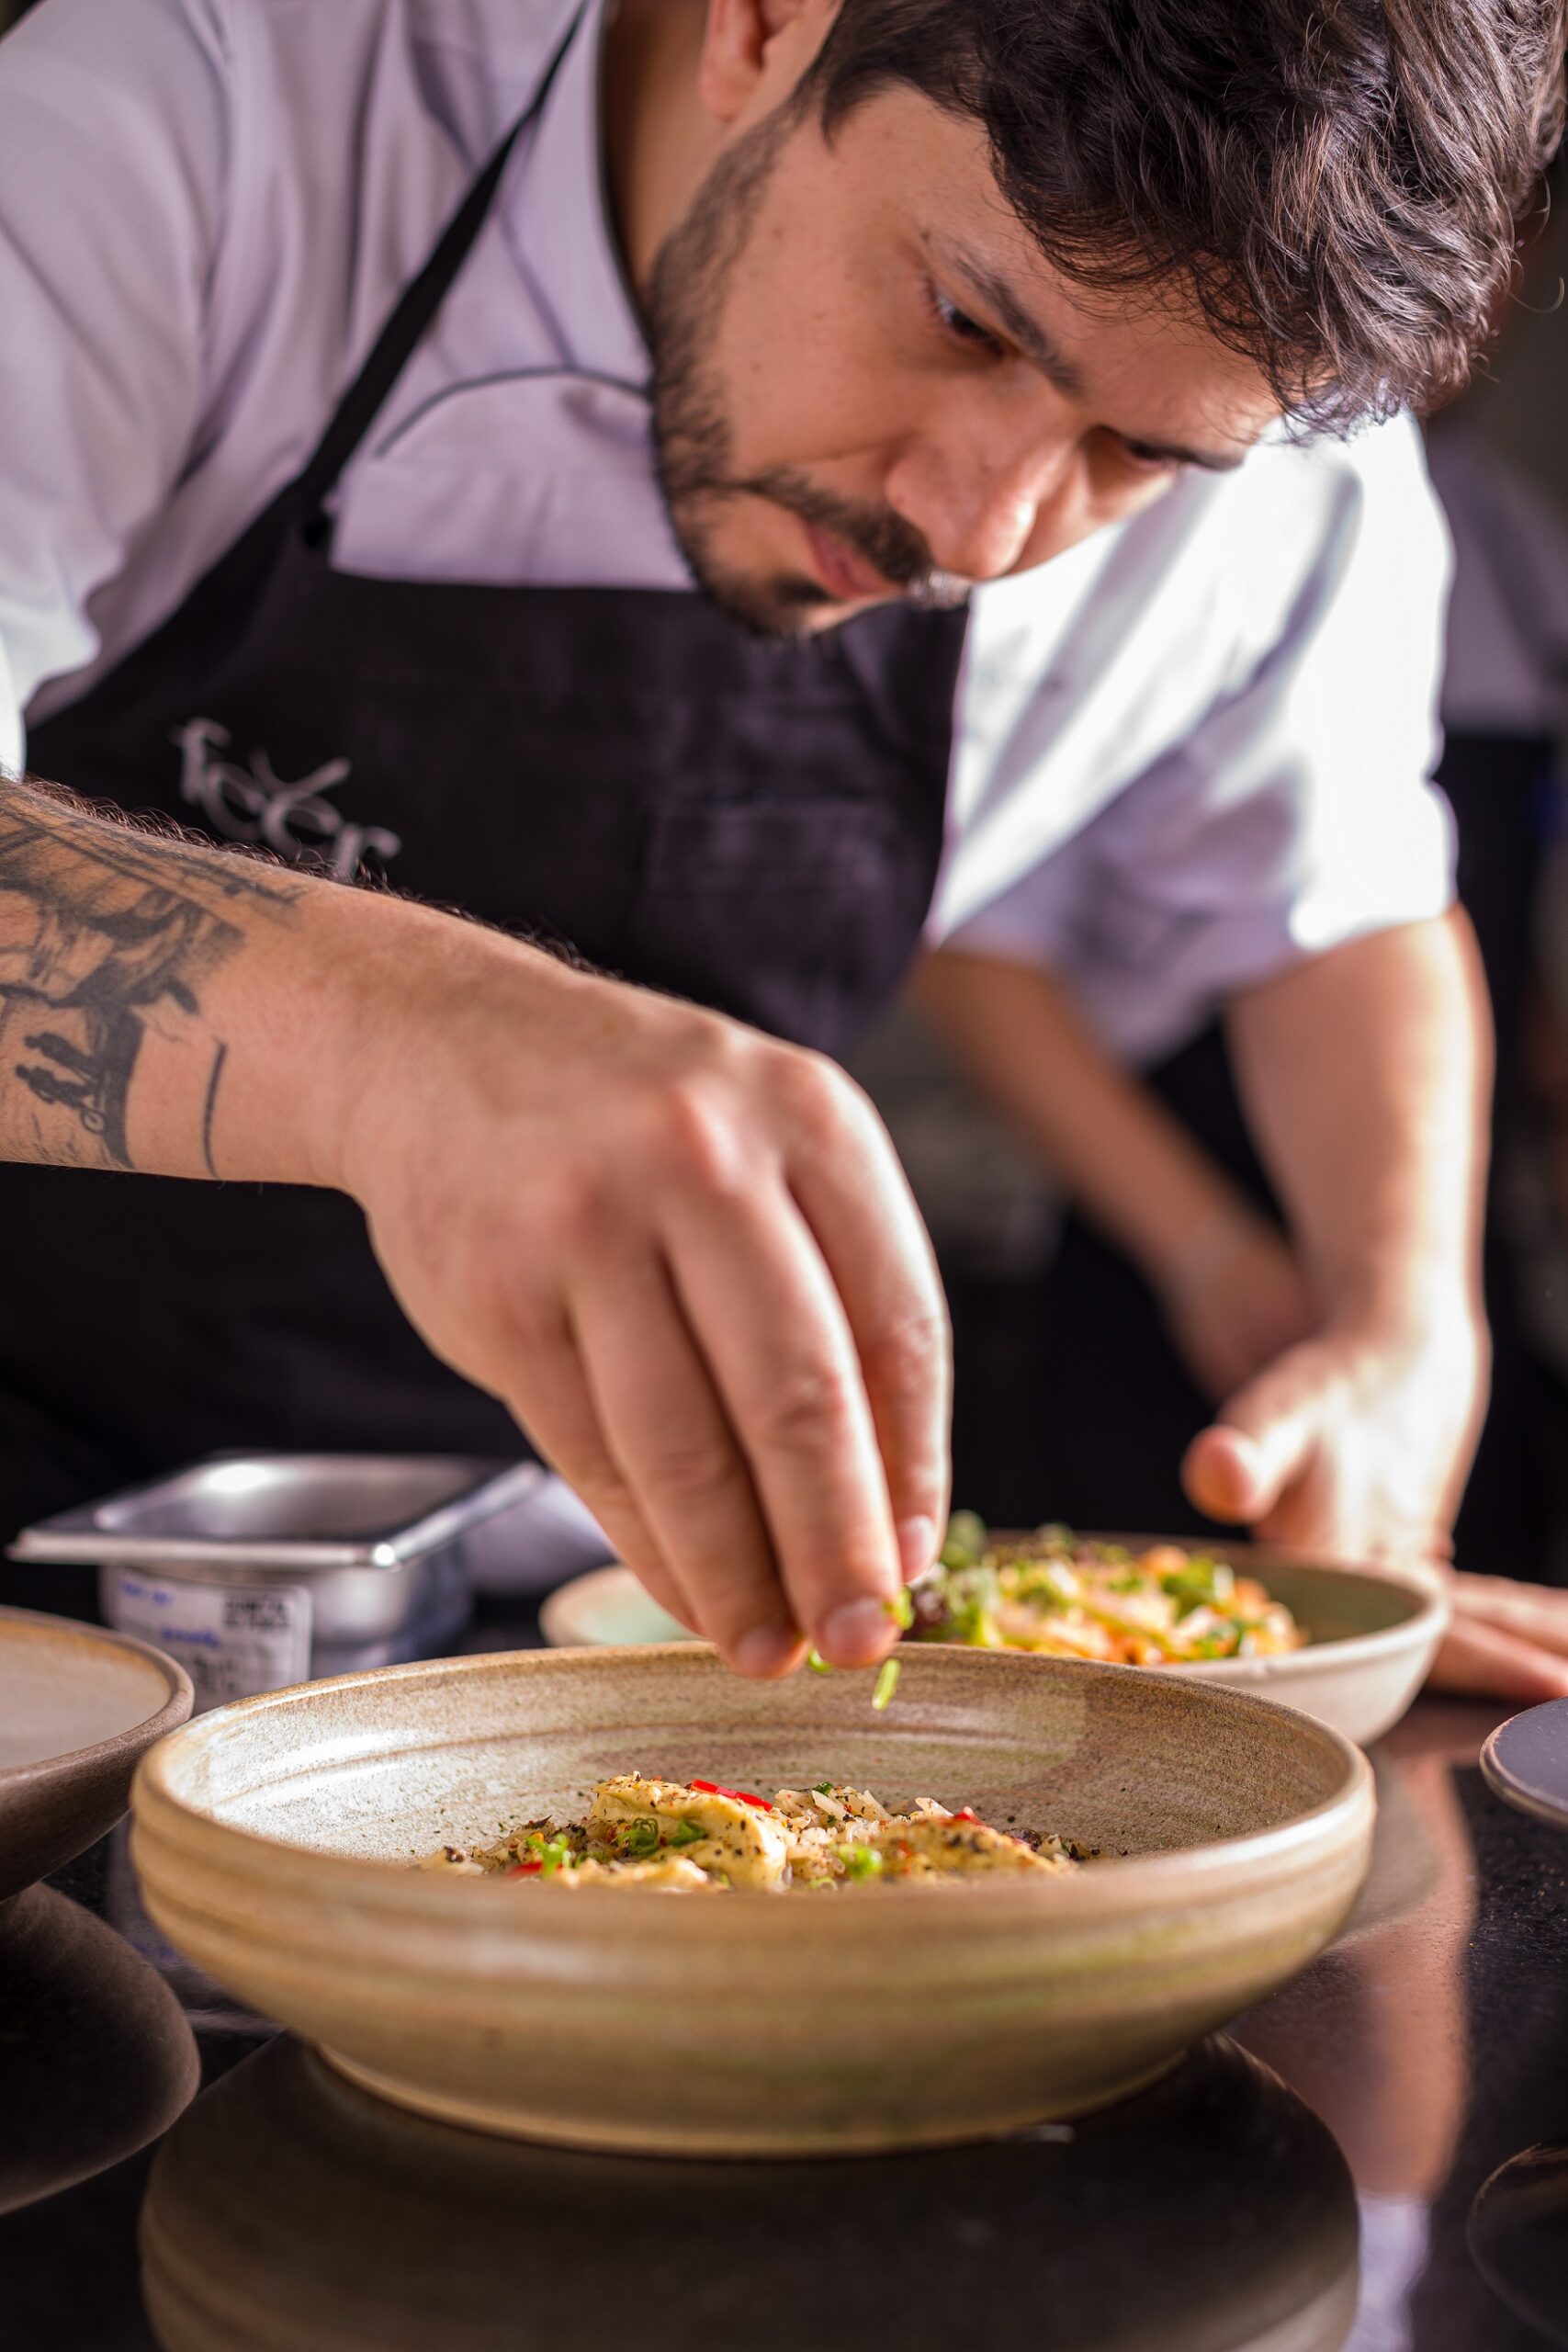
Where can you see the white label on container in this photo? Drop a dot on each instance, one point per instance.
(233, 1641)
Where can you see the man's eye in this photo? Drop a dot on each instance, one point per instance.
(958, 323)
(1146, 460)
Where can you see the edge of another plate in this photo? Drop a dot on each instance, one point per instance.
(53, 1807)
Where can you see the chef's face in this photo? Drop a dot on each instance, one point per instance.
(869, 384)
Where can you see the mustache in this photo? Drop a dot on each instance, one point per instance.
(883, 538)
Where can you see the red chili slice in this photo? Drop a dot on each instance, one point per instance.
(966, 1812)
(742, 1796)
(526, 1869)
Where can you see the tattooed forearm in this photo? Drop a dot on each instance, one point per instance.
(107, 937)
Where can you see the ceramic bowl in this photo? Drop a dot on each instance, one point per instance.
(79, 1707)
(1373, 1633)
(1525, 1762)
(273, 1840)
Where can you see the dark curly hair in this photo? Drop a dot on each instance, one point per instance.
(1338, 184)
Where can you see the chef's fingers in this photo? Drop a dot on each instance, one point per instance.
(764, 1310)
(549, 1394)
(656, 1404)
(1537, 1613)
(1261, 1442)
(869, 1230)
(1486, 1663)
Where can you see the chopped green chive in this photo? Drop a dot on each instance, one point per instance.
(638, 1837)
(817, 1663)
(860, 1862)
(887, 1684)
(901, 1608)
(824, 1788)
(688, 1833)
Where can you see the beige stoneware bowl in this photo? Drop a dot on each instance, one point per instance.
(273, 1839)
(1373, 1631)
(79, 1707)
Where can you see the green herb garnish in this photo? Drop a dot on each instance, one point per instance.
(861, 1861)
(966, 1540)
(638, 1838)
(887, 1684)
(688, 1833)
(823, 1788)
(901, 1608)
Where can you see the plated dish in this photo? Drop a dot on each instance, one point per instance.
(693, 1836)
(1083, 1596)
(273, 1841)
(1364, 1642)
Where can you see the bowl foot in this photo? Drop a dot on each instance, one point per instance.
(763, 2145)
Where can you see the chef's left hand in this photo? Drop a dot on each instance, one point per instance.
(1356, 1443)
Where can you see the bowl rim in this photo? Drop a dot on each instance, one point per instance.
(175, 1712)
(1521, 1794)
(1138, 1878)
(1429, 1619)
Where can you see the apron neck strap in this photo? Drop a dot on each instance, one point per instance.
(416, 308)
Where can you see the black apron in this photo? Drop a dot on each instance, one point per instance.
(756, 827)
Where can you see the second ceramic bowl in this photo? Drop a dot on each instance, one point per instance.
(78, 1707)
(1373, 1632)
(274, 1840)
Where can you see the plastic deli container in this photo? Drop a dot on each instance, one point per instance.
(259, 1570)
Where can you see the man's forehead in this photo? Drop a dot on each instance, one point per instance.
(1142, 353)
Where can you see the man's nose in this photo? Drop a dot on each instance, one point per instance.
(981, 513)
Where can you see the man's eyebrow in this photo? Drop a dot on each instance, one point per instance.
(1054, 364)
(1026, 331)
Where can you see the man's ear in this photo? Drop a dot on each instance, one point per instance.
(757, 49)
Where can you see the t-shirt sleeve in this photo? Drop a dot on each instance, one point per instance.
(1297, 815)
(112, 168)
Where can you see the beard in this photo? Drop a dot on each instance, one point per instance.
(693, 435)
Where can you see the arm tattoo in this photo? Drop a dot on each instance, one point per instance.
(105, 934)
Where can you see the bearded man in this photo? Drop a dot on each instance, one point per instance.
(715, 489)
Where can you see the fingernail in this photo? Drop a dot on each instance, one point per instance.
(857, 1633)
(766, 1649)
(917, 1547)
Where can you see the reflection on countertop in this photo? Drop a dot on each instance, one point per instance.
(74, 1997)
(287, 2208)
(1425, 2057)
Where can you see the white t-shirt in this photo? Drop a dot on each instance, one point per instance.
(1204, 734)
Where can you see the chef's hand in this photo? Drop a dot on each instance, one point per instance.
(1354, 1442)
(1355, 1445)
(684, 1255)
(1507, 1641)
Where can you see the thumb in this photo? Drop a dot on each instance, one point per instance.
(1261, 1443)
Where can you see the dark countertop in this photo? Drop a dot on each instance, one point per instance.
(1427, 2051)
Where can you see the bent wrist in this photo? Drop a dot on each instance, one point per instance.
(1420, 1304)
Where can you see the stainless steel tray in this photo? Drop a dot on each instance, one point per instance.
(284, 1514)
(381, 1543)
